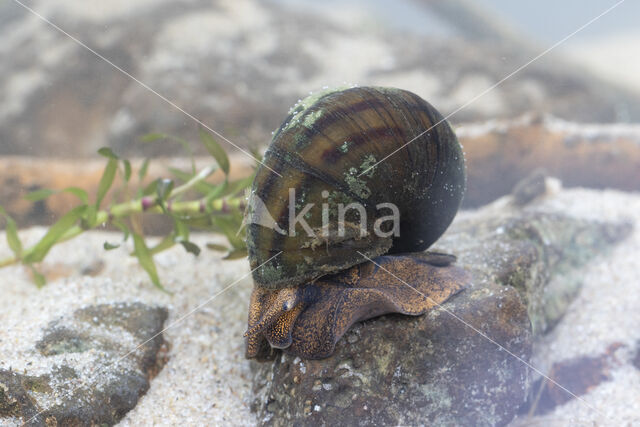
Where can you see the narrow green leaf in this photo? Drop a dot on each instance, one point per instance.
(217, 247)
(202, 187)
(12, 234)
(236, 254)
(127, 170)
(110, 246)
(38, 278)
(215, 150)
(56, 231)
(42, 194)
(198, 179)
(238, 186)
(181, 230)
(229, 227)
(151, 188)
(166, 243)
(190, 247)
(123, 227)
(163, 189)
(79, 193)
(181, 175)
(36, 196)
(107, 179)
(89, 217)
(145, 259)
(12, 238)
(216, 193)
(150, 137)
(108, 153)
(143, 169)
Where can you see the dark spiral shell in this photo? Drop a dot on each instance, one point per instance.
(324, 150)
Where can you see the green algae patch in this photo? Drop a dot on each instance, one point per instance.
(311, 118)
(367, 165)
(344, 148)
(271, 273)
(301, 108)
(356, 184)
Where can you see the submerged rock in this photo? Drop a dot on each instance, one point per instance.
(70, 103)
(579, 375)
(95, 377)
(464, 362)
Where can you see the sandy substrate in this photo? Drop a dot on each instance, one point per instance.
(207, 380)
(606, 312)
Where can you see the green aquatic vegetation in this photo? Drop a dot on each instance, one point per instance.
(186, 198)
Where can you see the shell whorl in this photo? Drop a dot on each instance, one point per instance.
(323, 151)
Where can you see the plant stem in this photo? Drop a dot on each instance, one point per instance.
(147, 205)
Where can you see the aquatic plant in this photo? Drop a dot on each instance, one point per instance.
(186, 198)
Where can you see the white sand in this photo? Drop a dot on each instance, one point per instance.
(606, 311)
(207, 380)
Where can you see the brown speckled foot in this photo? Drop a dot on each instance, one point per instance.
(323, 311)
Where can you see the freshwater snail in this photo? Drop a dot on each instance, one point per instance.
(365, 171)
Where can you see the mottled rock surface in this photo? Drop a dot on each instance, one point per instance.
(447, 367)
(240, 65)
(94, 379)
(207, 381)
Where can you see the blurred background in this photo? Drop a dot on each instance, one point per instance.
(239, 65)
